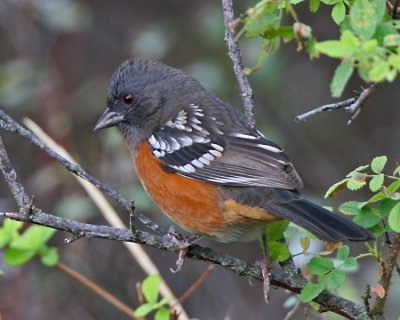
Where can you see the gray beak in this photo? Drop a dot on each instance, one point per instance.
(108, 119)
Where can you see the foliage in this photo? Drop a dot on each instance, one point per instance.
(369, 40)
(380, 214)
(21, 248)
(150, 289)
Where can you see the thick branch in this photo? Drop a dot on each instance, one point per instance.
(246, 93)
(352, 105)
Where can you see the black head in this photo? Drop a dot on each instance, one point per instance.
(143, 94)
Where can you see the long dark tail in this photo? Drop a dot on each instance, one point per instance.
(324, 224)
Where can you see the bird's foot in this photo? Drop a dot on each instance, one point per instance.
(183, 244)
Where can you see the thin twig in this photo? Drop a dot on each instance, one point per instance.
(366, 297)
(246, 93)
(352, 105)
(292, 311)
(86, 282)
(197, 283)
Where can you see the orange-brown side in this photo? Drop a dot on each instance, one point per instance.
(195, 205)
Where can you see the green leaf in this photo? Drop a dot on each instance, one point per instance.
(357, 170)
(387, 206)
(343, 253)
(9, 231)
(311, 291)
(314, 5)
(144, 310)
(396, 171)
(162, 302)
(336, 188)
(377, 197)
(368, 217)
(378, 164)
(49, 256)
(335, 279)
(363, 18)
(256, 26)
(394, 218)
(15, 257)
(276, 229)
(393, 187)
(370, 46)
(320, 266)
(339, 12)
(162, 314)
(33, 238)
(341, 76)
(391, 40)
(355, 184)
(376, 182)
(278, 251)
(349, 265)
(335, 49)
(379, 70)
(351, 207)
(150, 288)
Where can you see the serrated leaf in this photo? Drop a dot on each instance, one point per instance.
(335, 49)
(363, 18)
(162, 314)
(336, 188)
(351, 207)
(335, 279)
(339, 12)
(394, 218)
(150, 288)
(305, 243)
(144, 310)
(355, 184)
(276, 229)
(15, 257)
(377, 197)
(314, 5)
(340, 78)
(391, 40)
(311, 291)
(379, 70)
(278, 251)
(376, 182)
(368, 217)
(320, 266)
(370, 46)
(377, 230)
(343, 253)
(378, 164)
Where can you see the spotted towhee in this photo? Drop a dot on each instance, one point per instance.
(203, 164)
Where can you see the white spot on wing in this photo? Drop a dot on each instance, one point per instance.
(215, 153)
(243, 136)
(217, 147)
(269, 148)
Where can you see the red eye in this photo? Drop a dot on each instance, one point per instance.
(128, 98)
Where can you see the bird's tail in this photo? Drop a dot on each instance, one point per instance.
(324, 224)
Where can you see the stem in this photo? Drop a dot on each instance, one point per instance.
(96, 289)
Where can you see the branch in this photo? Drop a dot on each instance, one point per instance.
(388, 267)
(246, 93)
(352, 105)
(288, 278)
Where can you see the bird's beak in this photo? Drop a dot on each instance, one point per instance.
(108, 119)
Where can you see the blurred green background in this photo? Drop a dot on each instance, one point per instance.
(56, 57)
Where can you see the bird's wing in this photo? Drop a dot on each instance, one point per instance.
(197, 144)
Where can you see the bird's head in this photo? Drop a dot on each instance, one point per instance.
(143, 94)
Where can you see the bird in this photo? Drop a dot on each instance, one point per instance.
(203, 164)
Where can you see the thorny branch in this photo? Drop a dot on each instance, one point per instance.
(246, 93)
(288, 278)
(352, 106)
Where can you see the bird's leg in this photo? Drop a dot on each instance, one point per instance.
(183, 244)
(265, 264)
